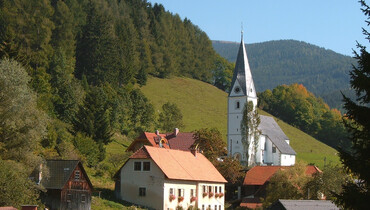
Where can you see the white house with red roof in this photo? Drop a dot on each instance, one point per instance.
(162, 178)
(176, 140)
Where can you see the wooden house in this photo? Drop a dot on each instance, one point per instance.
(67, 186)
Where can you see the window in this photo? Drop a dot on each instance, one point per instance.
(142, 191)
(220, 189)
(137, 166)
(146, 166)
(216, 189)
(180, 192)
(192, 193)
(203, 207)
(209, 188)
(273, 149)
(219, 207)
(215, 207)
(209, 207)
(237, 104)
(172, 191)
(69, 197)
(77, 175)
(83, 198)
(204, 189)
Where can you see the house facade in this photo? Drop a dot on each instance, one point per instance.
(67, 186)
(272, 146)
(163, 178)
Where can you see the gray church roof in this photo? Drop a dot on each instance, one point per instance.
(242, 71)
(303, 205)
(269, 127)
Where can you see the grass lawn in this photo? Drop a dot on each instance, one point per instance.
(204, 105)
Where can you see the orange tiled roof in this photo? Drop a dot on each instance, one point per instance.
(183, 165)
(310, 170)
(259, 175)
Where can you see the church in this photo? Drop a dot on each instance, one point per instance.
(272, 146)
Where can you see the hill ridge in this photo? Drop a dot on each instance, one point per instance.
(322, 71)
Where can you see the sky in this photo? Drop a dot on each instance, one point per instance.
(331, 24)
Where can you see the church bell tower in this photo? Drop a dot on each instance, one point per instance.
(242, 90)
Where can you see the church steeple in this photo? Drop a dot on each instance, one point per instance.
(242, 77)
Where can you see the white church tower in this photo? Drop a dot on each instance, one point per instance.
(242, 90)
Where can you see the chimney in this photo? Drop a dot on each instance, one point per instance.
(157, 132)
(176, 131)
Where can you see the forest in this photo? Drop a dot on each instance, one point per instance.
(323, 72)
(297, 106)
(70, 78)
(70, 73)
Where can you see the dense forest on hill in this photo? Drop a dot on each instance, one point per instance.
(70, 76)
(323, 72)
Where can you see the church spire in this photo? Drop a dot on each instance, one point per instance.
(242, 73)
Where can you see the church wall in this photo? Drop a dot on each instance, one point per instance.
(276, 158)
(287, 160)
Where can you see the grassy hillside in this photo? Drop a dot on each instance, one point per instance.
(203, 105)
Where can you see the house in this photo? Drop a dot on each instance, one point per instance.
(162, 178)
(303, 205)
(257, 179)
(272, 146)
(176, 140)
(67, 186)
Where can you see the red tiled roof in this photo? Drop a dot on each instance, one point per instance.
(8, 208)
(183, 165)
(140, 154)
(311, 170)
(181, 141)
(251, 203)
(259, 175)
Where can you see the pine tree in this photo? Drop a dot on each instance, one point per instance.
(356, 160)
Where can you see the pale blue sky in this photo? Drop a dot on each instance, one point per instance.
(332, 24)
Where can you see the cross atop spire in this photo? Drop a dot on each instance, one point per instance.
(242, 30)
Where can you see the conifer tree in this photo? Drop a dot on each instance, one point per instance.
(356, 160)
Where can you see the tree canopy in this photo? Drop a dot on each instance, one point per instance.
(356, 192)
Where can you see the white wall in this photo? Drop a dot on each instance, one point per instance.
(287, 160)
(212, 201)
(152, 180)
(185, 186)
